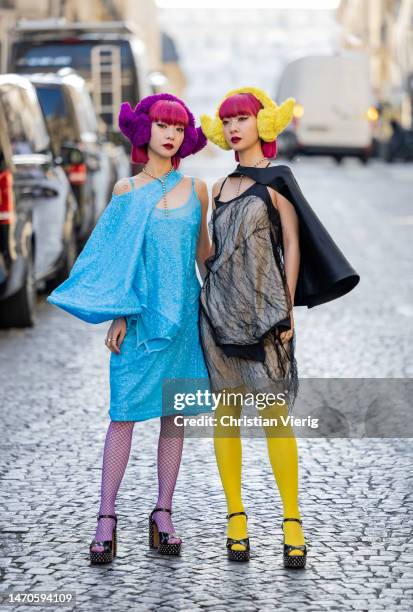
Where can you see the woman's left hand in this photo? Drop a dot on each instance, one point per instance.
(115, 335)
(288, 334)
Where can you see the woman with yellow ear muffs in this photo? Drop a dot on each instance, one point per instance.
(271, 253)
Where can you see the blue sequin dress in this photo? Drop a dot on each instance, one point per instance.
(136, 374)
(140, 264)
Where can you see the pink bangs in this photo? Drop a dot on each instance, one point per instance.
(169, 112)
(239, 104)
(246, 104)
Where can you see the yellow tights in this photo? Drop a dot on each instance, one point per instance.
(282, 451)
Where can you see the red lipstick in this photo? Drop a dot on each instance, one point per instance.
(235, 139)
(168, 146)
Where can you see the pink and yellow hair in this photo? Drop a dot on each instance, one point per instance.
(271, 118)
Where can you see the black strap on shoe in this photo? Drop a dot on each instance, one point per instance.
(235, 514)
(112, 516)
(242, 541)
(104, 544)
(289, 547)
(160, 509)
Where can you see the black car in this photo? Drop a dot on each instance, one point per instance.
(76, 138)
(37, 206)
(110, 56)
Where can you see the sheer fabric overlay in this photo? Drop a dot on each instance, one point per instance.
(245, 300)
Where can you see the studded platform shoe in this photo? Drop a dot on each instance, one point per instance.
(109, 553)
(160, 539)
(238, 555)
(294, 561)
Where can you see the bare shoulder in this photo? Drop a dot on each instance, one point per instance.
(122, 186)
(200, 186)
(202, 192)
(281, 203)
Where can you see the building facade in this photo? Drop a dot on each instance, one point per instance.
(383, 28)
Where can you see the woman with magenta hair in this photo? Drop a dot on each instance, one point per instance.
(138, 268)
(271, 253)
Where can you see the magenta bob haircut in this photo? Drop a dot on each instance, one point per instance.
(246, 104)
(136, 125)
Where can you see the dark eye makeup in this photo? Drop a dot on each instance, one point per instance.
(164, 125)
(240, 118)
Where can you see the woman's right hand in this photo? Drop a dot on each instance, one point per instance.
(116, 334)
(286, 336)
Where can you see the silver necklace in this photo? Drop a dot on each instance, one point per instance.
(243, 175)
(162, 179)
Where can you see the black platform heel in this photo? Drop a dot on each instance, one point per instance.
(238, 555)
(160, 539)
(110, 546)
(294, 561)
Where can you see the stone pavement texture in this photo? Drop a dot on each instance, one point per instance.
(355, 495)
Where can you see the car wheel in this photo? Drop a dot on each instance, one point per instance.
(19, 310)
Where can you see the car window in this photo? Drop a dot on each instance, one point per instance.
(86, 115)
(32, 57)
(25, 124)
(76, 55)
(57, 114)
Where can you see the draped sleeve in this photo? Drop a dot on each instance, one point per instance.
(108, 279)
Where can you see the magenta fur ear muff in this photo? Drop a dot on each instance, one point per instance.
(136, 125)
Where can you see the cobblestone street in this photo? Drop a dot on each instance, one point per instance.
(355, 494)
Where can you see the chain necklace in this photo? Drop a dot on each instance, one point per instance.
(162, 179)
(243, 175)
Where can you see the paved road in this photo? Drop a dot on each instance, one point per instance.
(355, 495)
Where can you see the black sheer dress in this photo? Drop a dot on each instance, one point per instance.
(245, 300)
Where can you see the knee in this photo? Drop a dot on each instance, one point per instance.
(170, 429)
(226, 418)
(122, 426)
(227, 410)
(278, 423)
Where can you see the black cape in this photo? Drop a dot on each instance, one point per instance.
(325, 274)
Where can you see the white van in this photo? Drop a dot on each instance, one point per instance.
(334, 112)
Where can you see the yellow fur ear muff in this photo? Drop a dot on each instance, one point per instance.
(271, 119)
(270, 123)
(213, 130)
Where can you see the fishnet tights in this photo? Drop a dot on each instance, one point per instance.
(115, 459)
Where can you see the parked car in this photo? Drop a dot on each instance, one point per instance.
(334, 112)
(37, 206)
(110, 56)
(75, 137)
